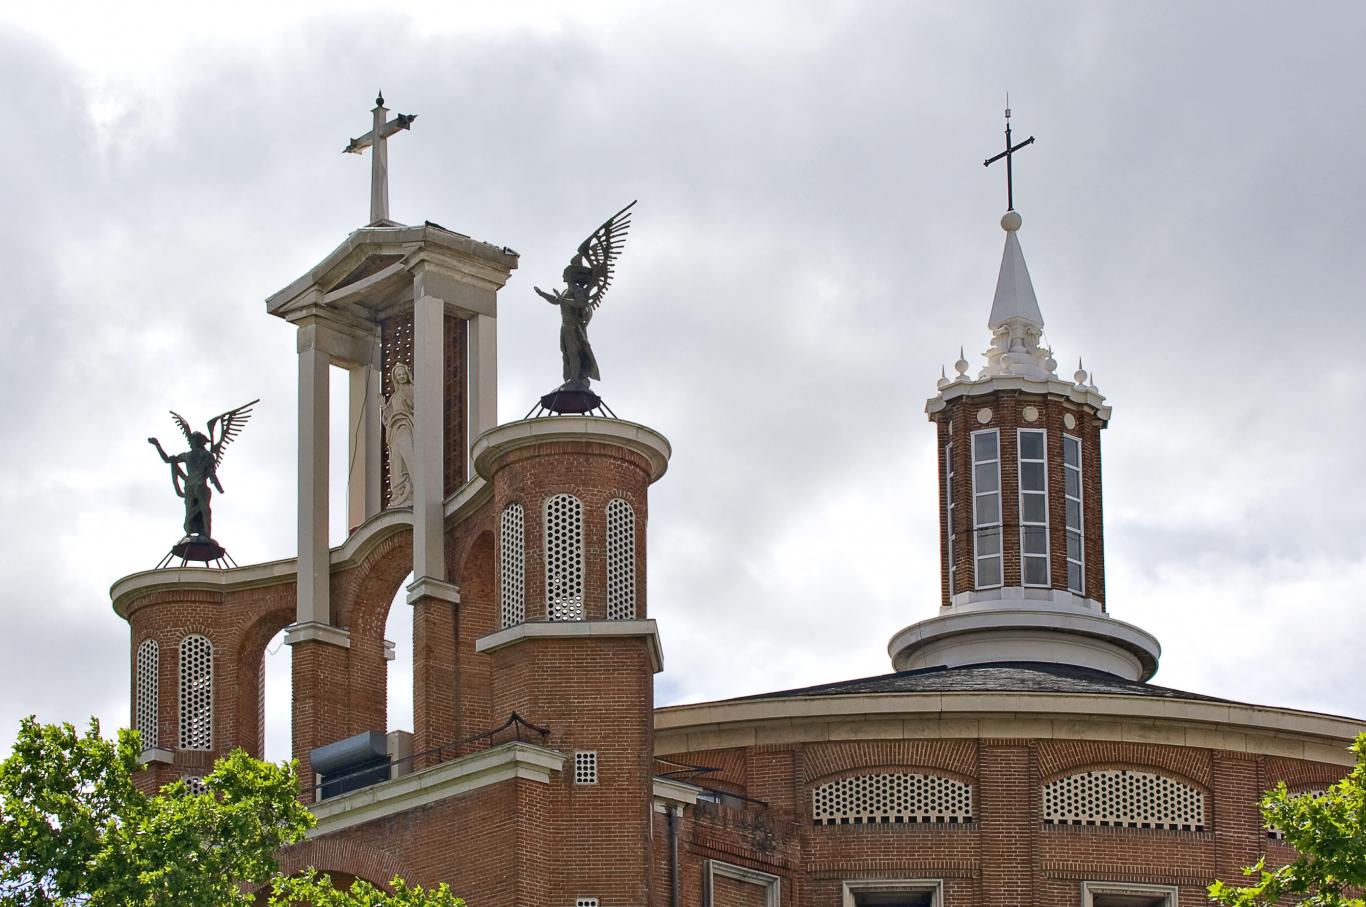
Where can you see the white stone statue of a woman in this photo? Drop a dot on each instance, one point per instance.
(397, 414)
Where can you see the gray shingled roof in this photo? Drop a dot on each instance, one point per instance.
(1002, 677)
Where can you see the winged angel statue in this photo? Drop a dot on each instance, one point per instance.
(194, 470)
(587, 278)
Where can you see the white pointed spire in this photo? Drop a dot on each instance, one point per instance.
(1016, 322)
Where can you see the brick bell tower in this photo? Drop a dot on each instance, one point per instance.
(1020, 517)
(528, 775)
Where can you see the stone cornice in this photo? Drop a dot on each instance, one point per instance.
(963, 387)
(499, 441)
(1226, 726)
(449, 779)
(575, 629)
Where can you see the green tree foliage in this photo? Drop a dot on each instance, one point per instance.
(75, 830)
(1329, 831)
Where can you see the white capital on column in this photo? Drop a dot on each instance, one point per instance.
(429, 424)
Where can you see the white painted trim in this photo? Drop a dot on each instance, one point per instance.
(156, 754)
(1090, 889)
(893, 886)
(313, 630)
(1052, 387)
(440, 782)
(642, 439)
(771, 884)
(1057, 623)
(544, 629)
(669, 793)
(1229, 726)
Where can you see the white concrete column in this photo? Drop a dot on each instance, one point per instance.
(366, 465)
(429, 423)
(483, 377)
(313, 605)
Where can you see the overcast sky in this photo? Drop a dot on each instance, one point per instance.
(815, 237)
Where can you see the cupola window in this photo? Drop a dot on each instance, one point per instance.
(1076, 553)
(986, 509)
(196, 693)
(621, 561)
(1033, 508)
(148, 692)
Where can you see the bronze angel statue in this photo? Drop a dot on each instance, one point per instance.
(194, 470)
(587, 278)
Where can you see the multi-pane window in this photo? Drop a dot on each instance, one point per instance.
(621, 561)
(1071, 478)
(1033, 508)
(948, 499)
(512, 565)
(148, 692)
(986, 507)
(563, 558)
(196, 693)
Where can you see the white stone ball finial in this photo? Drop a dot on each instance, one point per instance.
(1080, 375)
(1010, 221)
(961, 366)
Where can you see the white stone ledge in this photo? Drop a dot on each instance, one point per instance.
(575, 629)
(1063, 716)
(1055, 387)
(642, 439)
(313, 630)
(156, 754)
(440, 782)
(671, 794)
(426, 587)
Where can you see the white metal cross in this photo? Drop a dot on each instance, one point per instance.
(379, 161)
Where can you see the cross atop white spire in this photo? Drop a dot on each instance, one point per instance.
(377, 138)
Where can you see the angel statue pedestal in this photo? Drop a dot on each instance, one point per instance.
(586, 279)
(199, 548)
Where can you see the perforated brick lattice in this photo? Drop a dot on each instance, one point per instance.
(621, 561)
(512, 565)
(585, 768)
(396, 345)
(196, 693)
(563, 558)
(196, 784)
(888, 798)
(149, 692)
(1123, 799)
(1275, 832)
(586, 902)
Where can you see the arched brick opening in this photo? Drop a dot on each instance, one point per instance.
(250, 671)
(361, 861)
(477, 616)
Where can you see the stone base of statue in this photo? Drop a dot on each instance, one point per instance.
(199, 549)
(573, 400)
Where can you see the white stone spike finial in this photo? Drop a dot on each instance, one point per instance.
(943, 379)
(961, 366)
(1016, 322)
(1080, 375)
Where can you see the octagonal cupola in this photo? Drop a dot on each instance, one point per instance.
(1021, 528)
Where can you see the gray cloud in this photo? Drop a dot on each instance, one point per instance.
(816, 236)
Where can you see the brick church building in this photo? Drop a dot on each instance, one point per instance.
(1016, 754)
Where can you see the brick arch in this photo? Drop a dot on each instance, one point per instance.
(957, 757)
(476, 617)
(249, 671)
(1057, 758)
(363, 593)
(350, 858)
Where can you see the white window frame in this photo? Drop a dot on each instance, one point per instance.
(1020, 461)
(948, 502)
(855, 887)
(772, 885)
(1080, 529)
(1089, 890)
(1000, 512)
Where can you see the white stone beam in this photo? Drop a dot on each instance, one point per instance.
(483, 377)
(429, 327)
(313, 604)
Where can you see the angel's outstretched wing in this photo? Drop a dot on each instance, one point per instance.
(600, 251)
(184, 426)
(228, 425)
